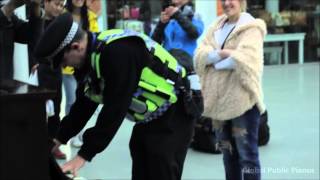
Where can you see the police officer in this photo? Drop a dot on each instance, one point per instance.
(134, 77)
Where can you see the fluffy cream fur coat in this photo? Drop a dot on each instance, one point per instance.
(230, 93)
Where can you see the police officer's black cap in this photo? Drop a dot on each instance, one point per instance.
(55, 38)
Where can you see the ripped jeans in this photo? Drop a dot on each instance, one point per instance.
(238, 141)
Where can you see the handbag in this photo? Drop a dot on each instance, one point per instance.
(264, 130)
(205, 139)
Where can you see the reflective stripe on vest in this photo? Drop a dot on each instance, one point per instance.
(155, 94)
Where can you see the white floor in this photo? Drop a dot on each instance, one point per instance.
(292, 98)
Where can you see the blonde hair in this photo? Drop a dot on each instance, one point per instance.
(243, 5)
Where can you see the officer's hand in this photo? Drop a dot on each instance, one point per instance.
(74, 165)
(164, 18)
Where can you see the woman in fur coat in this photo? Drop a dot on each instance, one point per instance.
(229, 62)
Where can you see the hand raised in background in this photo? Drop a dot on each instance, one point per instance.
(164, 17)
(170, 10)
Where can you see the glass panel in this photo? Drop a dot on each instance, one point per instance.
(290, 17)
(140, 15)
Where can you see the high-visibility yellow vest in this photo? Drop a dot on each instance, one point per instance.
(155, 92)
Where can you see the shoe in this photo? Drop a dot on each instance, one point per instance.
(58, 154)
(77, 141)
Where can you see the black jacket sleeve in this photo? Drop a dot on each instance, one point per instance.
(36, 27)
(121, 68)
(186, 24)
(80, 112)
(4, 22)
(23, 31)
(158, 34)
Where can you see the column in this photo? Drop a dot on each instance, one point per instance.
(208, 10)
(272, 6)
(103, 20)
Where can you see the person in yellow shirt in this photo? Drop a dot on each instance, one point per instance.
(89, 22)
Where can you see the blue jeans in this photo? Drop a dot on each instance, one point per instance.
(238, 141)
(70, 86)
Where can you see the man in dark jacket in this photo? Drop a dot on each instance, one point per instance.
(179, 27)
(51, 78)
(13, 29)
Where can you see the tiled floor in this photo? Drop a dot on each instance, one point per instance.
(292, 98)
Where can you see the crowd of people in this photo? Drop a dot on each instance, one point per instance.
(158, 73)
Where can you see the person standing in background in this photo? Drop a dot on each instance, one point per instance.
(179, 27)
(51, 78)
(52, 8)
(88, 20)
(178, 30)
(94, 6)
(145, 16)
(229, 62)
(14, 29)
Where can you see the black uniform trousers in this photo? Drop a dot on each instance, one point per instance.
(159, 148)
